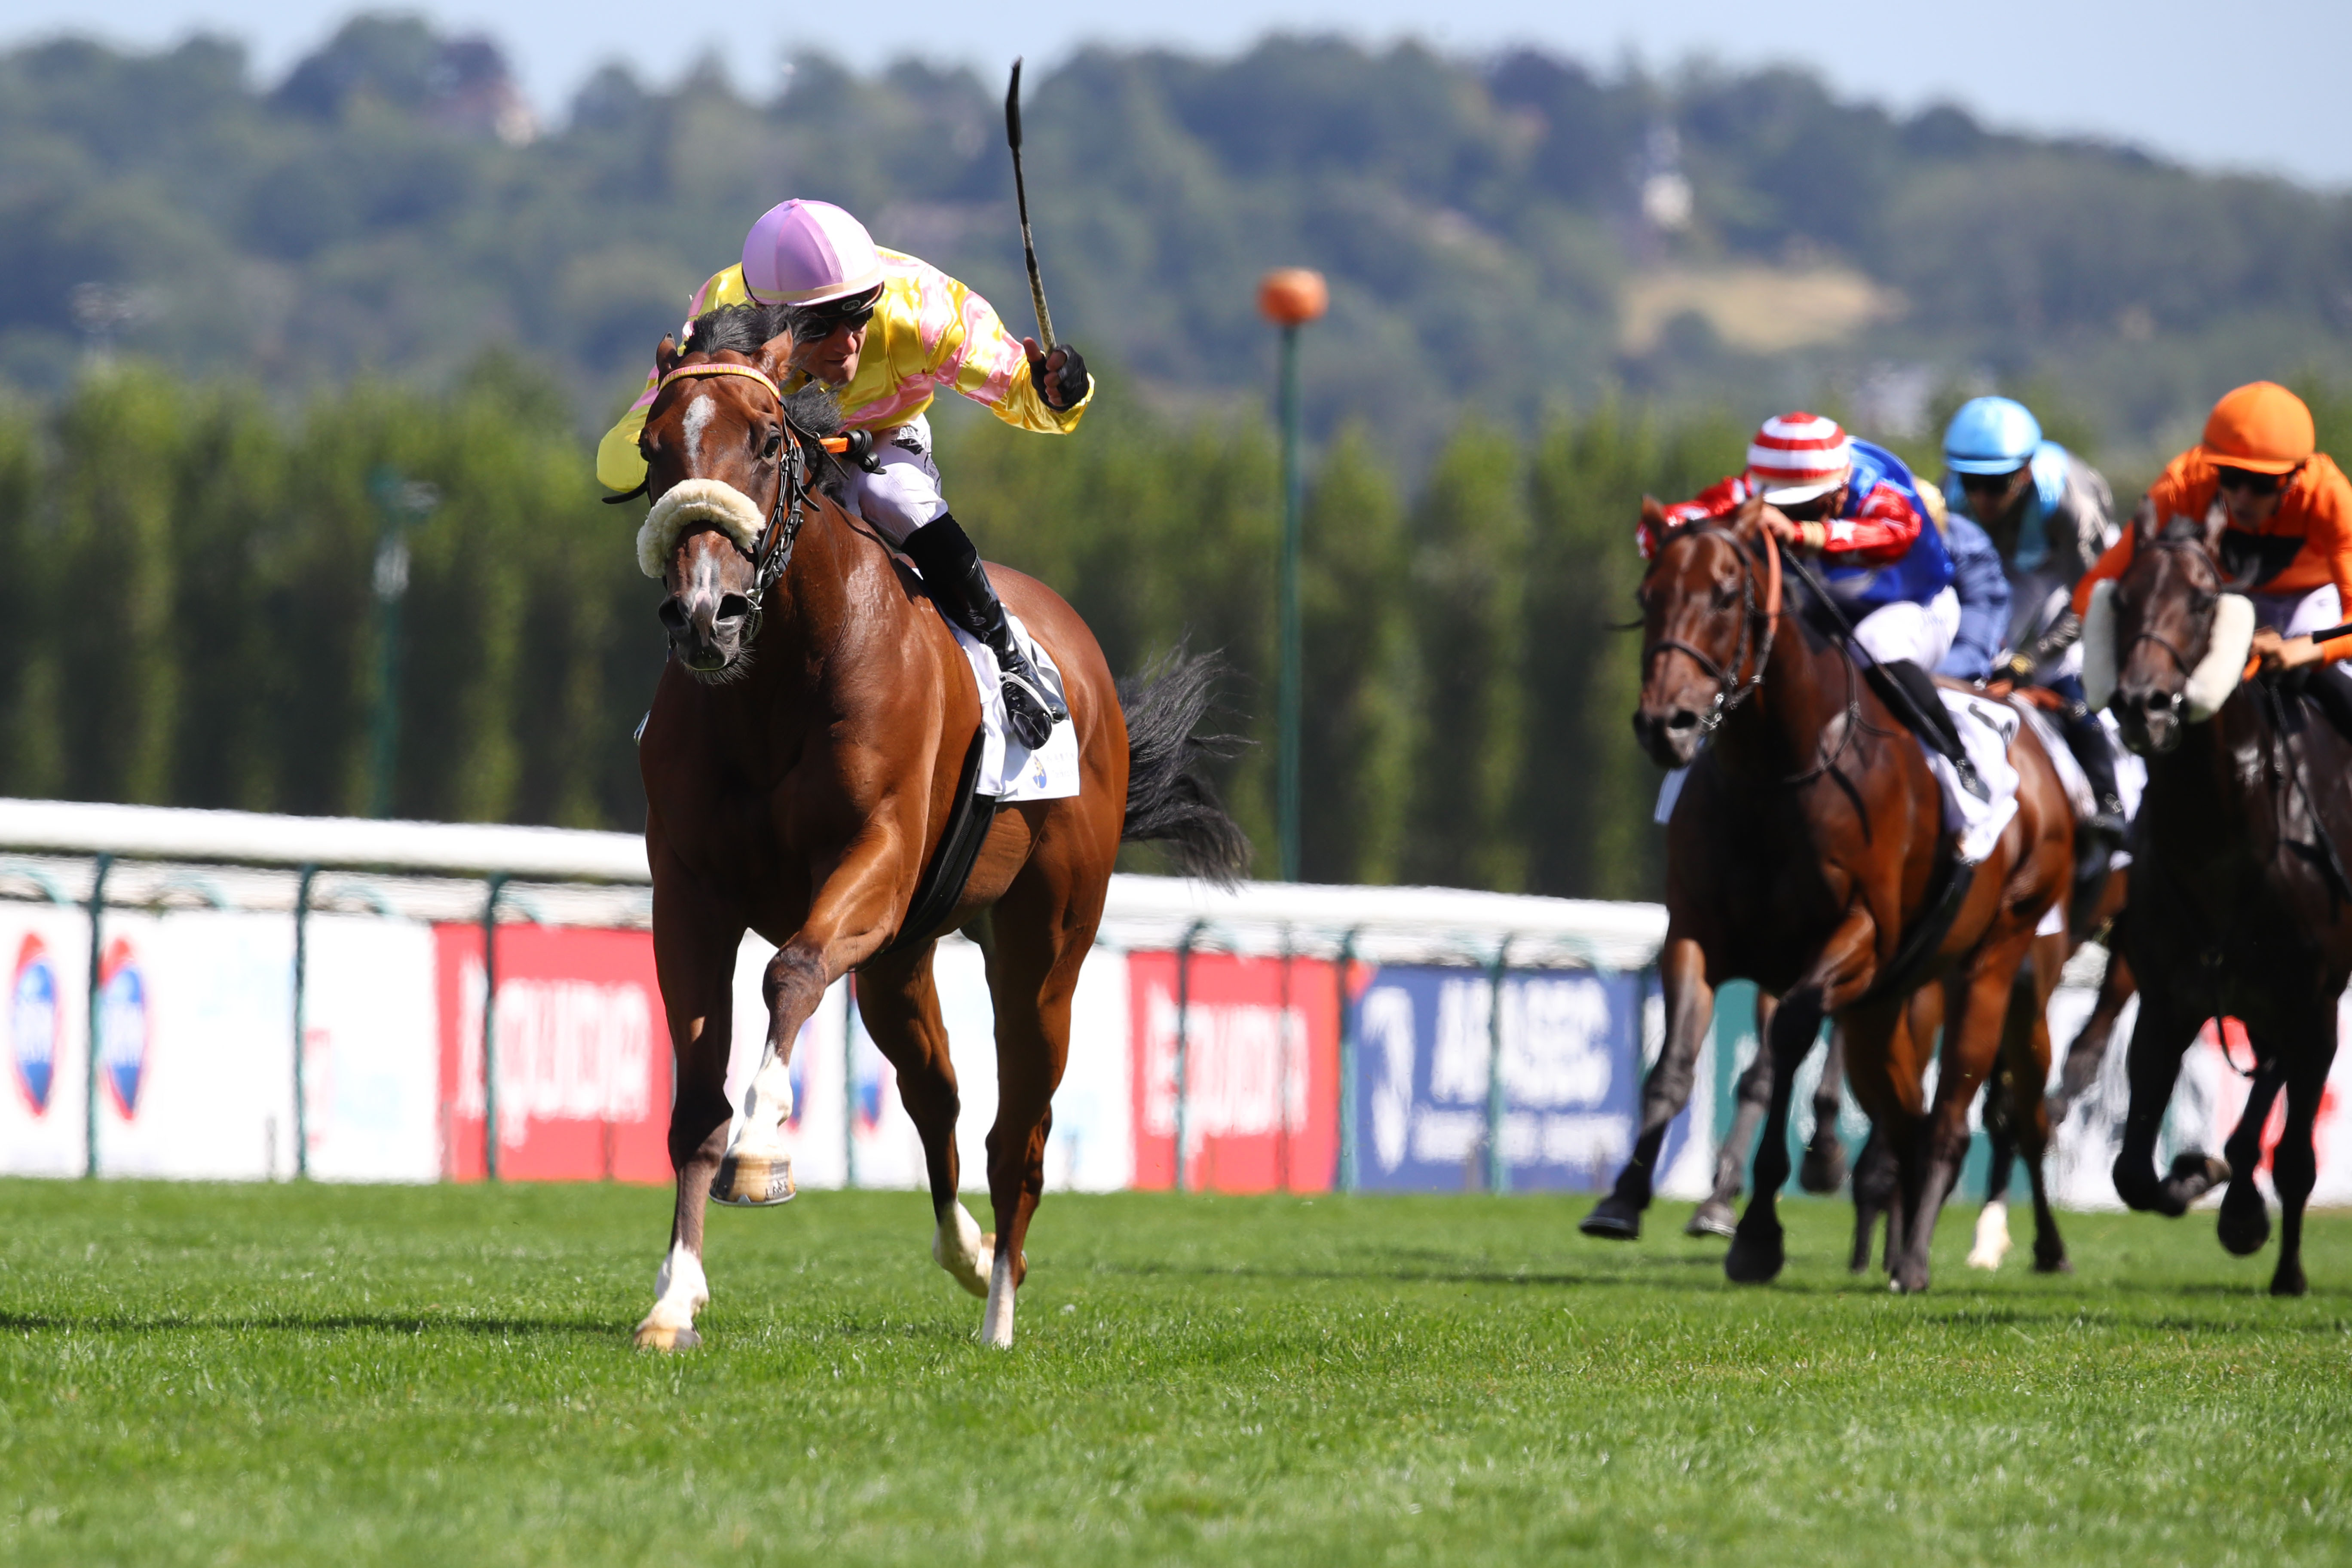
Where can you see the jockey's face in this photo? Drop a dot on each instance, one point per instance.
(1993, 497)
(833, 358)
(2253, 499)
(1822, 508)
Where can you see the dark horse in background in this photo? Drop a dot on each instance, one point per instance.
(1807, 854)
(2240, 902)
(803, 767)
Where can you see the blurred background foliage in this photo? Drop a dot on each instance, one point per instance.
(226, 305)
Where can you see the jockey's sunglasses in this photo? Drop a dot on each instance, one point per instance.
(813, 322)
(2242, 482)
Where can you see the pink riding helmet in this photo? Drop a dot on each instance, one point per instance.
(804, 253)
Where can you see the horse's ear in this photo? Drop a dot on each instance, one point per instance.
(776, 355)
(665, 356)
(1653, 512)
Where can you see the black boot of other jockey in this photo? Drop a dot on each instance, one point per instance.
(2087, 739)
(1931, 720)
(958, 585)
(2331, 688)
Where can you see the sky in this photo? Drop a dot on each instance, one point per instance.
(2249, 85)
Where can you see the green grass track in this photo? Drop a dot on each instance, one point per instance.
(252, 1374)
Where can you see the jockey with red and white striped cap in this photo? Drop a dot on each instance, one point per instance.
(1877, 534)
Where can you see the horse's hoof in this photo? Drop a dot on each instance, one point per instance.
(752, 1181)
(2244, 1226)
(2288, 1280)
(1713, 1217)
(1991, 1243)
(2062, 1264)
(1755, 1260)
(1612, 1219)
(2193, 1174)
(1909, 1282)
(652, 1337)
(1823, 1168)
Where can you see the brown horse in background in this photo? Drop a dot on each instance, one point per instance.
(1808, 854)
(801, 763)
(2241, 905)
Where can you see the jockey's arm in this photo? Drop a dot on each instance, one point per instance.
(978, 358)
(1984, 591)
(1882, 527)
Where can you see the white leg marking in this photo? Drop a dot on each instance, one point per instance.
(958, 1247)
(996, 1323)
(1992, 1237)
(767, 1105)
(680, 1290)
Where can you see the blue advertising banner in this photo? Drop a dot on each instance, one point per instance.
(1570, 1069)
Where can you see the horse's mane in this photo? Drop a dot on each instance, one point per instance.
(746, 329)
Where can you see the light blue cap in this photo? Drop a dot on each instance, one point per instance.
(1991, 435)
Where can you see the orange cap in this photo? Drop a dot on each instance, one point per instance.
(2262, 428)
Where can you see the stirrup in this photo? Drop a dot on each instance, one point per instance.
(1028, 712)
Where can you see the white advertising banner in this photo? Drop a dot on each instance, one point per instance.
(370, 1062)
(47, 949)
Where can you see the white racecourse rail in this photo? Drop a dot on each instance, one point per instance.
(190, 921)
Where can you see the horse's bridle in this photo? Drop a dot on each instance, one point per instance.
(771, 554)
(2192, 548)
(1730, 690)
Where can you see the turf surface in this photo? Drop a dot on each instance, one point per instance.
(269, 1374)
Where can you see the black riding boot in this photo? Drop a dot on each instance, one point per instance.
(2087, 739)
(958, 585)
(2331, 688)
(1915, 689)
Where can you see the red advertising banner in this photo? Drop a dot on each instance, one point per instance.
(584, 1057)
(1261, 1072)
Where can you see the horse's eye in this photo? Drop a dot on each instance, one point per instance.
(775, 442)
(2200, 601)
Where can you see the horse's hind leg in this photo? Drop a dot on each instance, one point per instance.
(2295, 1167)
(694, 959)
(1874, 1195)
(1033, 976)
(2244, 1222)
(1823, 1168)
(2089, 1046)
(2025, 1056)
(899, 1001)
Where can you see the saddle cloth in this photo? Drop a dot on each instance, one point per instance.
(1008, 770)
(2131, 769)
(1987, 727)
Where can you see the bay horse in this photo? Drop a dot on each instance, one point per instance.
(1808, 854)
(802, 763)
(2241, 906)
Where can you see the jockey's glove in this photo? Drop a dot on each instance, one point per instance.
(2062, 634)
(2017, 667)
(1064, 388)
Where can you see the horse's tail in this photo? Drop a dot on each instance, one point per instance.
(1168, 800)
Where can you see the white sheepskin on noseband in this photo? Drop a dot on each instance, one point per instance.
(2224, 665)
(691, 501)
(2099, 645)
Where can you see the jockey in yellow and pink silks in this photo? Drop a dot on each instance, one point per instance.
(886, 331)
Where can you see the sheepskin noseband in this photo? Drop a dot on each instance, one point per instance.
(2210, 684)
(687, 504)
(2224, 665)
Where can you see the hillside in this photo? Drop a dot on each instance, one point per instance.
(1502, 236)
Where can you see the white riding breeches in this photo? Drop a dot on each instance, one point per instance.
(905, 495)
(2301, 612)
(1920, 633)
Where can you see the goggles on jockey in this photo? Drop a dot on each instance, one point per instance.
(814, 323)
(2242, 481)
(1990, 484)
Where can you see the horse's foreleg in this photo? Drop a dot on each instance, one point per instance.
(848, 922)
(1752, 1096)
(898, 997)
(1033, 976)
(1874, 1195)
(696, 973)
(1690, 1008)
(1970, 1047)
(2295, 1166)
(2089, 1046)
(2244, 1222)
(2158, 1040)
(2025, 1051)
(1758, 1252)
(1883, 1063)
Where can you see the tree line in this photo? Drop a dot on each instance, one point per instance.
(188, 612)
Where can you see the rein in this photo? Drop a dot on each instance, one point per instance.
(1730, 690)
(772, 555)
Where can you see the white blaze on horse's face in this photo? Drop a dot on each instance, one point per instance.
(698, 414)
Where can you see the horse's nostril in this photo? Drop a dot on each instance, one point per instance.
(2159, 702)
(1682, 719)
(672, 616)
(734, 608)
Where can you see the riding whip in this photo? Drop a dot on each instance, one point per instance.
(1021, 196)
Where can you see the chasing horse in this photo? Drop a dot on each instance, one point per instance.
(815, 757)
(1808, 847)
(2239, 561)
